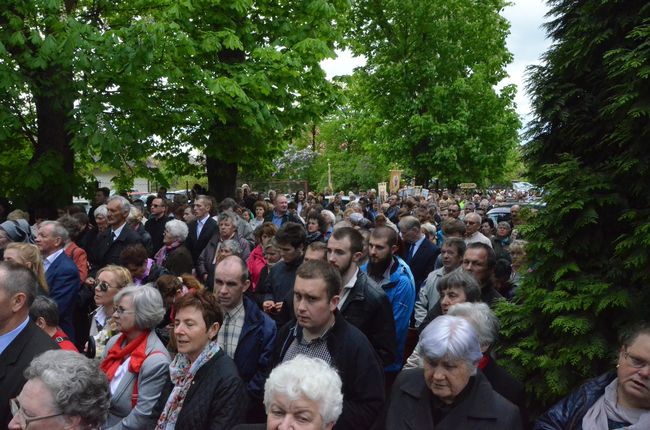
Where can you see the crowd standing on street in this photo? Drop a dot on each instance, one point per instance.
(278, 311)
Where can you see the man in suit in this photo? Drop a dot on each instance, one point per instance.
(247, 334)
(117, 237)
(20, 339)
(202, 228)
(61, 272)
(419, 253)
(155, 225)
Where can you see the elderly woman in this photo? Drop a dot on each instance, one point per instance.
(29, 256)
(256, 261)
(303, 393)
(135, 361)
(64, 390)
(109, 281)
(174, 255)
(501, 240)
(517, 251)
(204, 390)
(220, 247)
(15, 231)
(448, 393)
(101, 217)
(615, 400)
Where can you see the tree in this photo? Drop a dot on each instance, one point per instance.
(589, 247)
(113, 83)
(429, 82)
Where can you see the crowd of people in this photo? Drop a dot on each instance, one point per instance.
(279, 312)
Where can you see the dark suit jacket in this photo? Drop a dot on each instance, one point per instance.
(197, 244)
(423, 262)
(63, 279)
(108, 251)
(29, 343)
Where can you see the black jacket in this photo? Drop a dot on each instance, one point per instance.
(423, 262)
(367, 308)
(106, 251)
(216, 400)
(480, 409)
(567, 414)
(360, 371)
(287, 217)
(156, 228)
(197, 244)
(29, 343)
(278, 286)
(179, 261)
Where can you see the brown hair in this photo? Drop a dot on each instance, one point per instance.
(31, 254)
(204, 301)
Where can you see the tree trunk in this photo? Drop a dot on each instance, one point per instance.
(222, 178)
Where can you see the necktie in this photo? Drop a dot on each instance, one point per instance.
(411, 251)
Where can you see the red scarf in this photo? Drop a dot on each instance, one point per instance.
(483, 361)
(136, 349)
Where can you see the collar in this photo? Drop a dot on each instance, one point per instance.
(203, 220)
(418, 242)
(389, 270)
(352, 281)
(53, 256)
(118, 230)
(236, 310)
(323, 336)
(7, 338)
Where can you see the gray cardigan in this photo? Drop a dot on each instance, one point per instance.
(152, 378)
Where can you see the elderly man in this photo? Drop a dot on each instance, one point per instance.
(472, 233)
(280, 214)
(20, 339)
(117, 237)
(61, 273)
(321, 332)
(419, 253)
(247, 334)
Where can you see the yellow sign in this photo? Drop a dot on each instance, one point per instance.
(395, 178)
(467, 185)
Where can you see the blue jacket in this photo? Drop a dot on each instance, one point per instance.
(567, 414)
(255, 349)
(63, 279)
(400, 289)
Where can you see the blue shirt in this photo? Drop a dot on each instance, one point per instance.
(7, 338)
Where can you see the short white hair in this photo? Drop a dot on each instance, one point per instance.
(482, 318)
(177, 229)
(329, 215)
(307, 377)
(101, 210)
(452, 338)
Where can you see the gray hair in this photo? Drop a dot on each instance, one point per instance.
(230, 244)
(71, 224)
(77, 385)
(482, 318)
(125, 206)
(15, 278)
(227, 215)
(307, 377)
(147, 304)
(452, 338)
(57, 229)
(505, 224)
(134, 213)
(177, 229)
(408, 222)
(46, 308)
(101, 210)
(329, 216)
(473, 215)
(460, 279)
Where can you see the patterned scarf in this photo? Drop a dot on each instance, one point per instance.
(136, 349)
(607, 407)
(162, 253)
(182, 373)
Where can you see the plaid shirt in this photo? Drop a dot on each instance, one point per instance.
(316, 348)
(228, 336)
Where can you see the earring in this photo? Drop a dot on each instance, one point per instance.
(618, 365)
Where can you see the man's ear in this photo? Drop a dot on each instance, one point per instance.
(393, 249)
(356, 257)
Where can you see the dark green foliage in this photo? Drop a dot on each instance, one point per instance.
(590, 246)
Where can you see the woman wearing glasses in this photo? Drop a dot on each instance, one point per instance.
(615, 400)
(109, 281)
(135, 361)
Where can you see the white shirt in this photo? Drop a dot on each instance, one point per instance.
(200, 223)
(119, 374)
(345, 292)
(416, 245)
(50, 259)
(116, 233)
(478, 237)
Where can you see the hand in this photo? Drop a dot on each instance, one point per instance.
(268, 306)
(90, 281)
(278, 306)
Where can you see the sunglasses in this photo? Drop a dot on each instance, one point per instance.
(103, 286)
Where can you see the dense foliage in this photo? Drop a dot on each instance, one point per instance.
(590, 246)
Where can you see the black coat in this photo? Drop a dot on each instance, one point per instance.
(156, 228)
(106, 251)
(216, 400)
(278, 286)
(423, 262)
(179, 261)
(197, 244)
(361, 374)
(482, 408)
(367, 308)
(29, 343)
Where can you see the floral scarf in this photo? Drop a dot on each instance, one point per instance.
(182, 374)
(162, 253)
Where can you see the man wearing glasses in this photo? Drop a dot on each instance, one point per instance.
(20, 339)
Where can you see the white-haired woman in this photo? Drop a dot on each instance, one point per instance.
(174, 255)
(64, 390)
(449, 393)
(135, 361)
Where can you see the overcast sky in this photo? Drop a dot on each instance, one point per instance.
(527, 42)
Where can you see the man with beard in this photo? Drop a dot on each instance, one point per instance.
(362, 303)
(393, 275)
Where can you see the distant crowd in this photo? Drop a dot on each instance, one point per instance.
(279, 311)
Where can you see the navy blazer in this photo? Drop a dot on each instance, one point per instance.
(423, 261)
(63, 279)
(197, 244)
(29, 343)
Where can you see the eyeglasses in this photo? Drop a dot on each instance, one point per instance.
(637, 363)
(24, 421)
(121, 311)
(103, 286)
